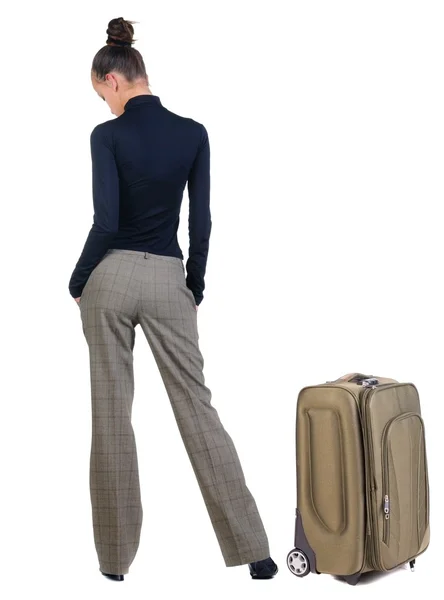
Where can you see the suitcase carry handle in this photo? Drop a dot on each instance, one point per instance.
(358, 378)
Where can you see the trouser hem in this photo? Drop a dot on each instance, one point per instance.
(246, 559)
(114, 570)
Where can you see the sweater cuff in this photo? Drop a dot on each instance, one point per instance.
(76, 292)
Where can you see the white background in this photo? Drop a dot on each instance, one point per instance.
(326, 131)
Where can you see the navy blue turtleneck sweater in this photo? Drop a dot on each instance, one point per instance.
(141, 162)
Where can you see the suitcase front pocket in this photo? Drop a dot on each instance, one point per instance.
(405, 502)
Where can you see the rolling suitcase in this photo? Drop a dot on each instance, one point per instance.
(362, 479)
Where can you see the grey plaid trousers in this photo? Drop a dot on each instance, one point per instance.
(128, 288)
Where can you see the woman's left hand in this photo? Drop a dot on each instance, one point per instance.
(77, 299)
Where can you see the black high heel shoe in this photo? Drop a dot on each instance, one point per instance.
(112, 576)
(263, 569)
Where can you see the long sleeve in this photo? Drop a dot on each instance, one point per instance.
(105, 188)
(199, 222)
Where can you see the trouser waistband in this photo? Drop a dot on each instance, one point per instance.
(143, 254)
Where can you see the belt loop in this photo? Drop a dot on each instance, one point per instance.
(146, 255)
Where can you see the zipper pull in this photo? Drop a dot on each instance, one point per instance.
(386, 507)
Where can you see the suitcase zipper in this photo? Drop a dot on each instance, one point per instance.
(370, 480)
(372, 511)
(386, 530)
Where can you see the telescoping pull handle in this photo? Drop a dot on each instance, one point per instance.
(359, 378)
(369, 382)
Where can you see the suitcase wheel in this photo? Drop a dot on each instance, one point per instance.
(298, 563)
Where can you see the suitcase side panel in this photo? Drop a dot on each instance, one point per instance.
(330, 478)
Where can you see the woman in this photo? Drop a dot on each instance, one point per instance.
(131, 272)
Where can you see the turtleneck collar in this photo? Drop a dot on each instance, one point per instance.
(142, 99)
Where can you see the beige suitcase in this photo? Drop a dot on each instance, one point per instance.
(362, 480)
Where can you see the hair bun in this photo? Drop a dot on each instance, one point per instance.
(120, 32)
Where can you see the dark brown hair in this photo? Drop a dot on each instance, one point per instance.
(118, 54)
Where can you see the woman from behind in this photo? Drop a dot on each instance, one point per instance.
(131, 273)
